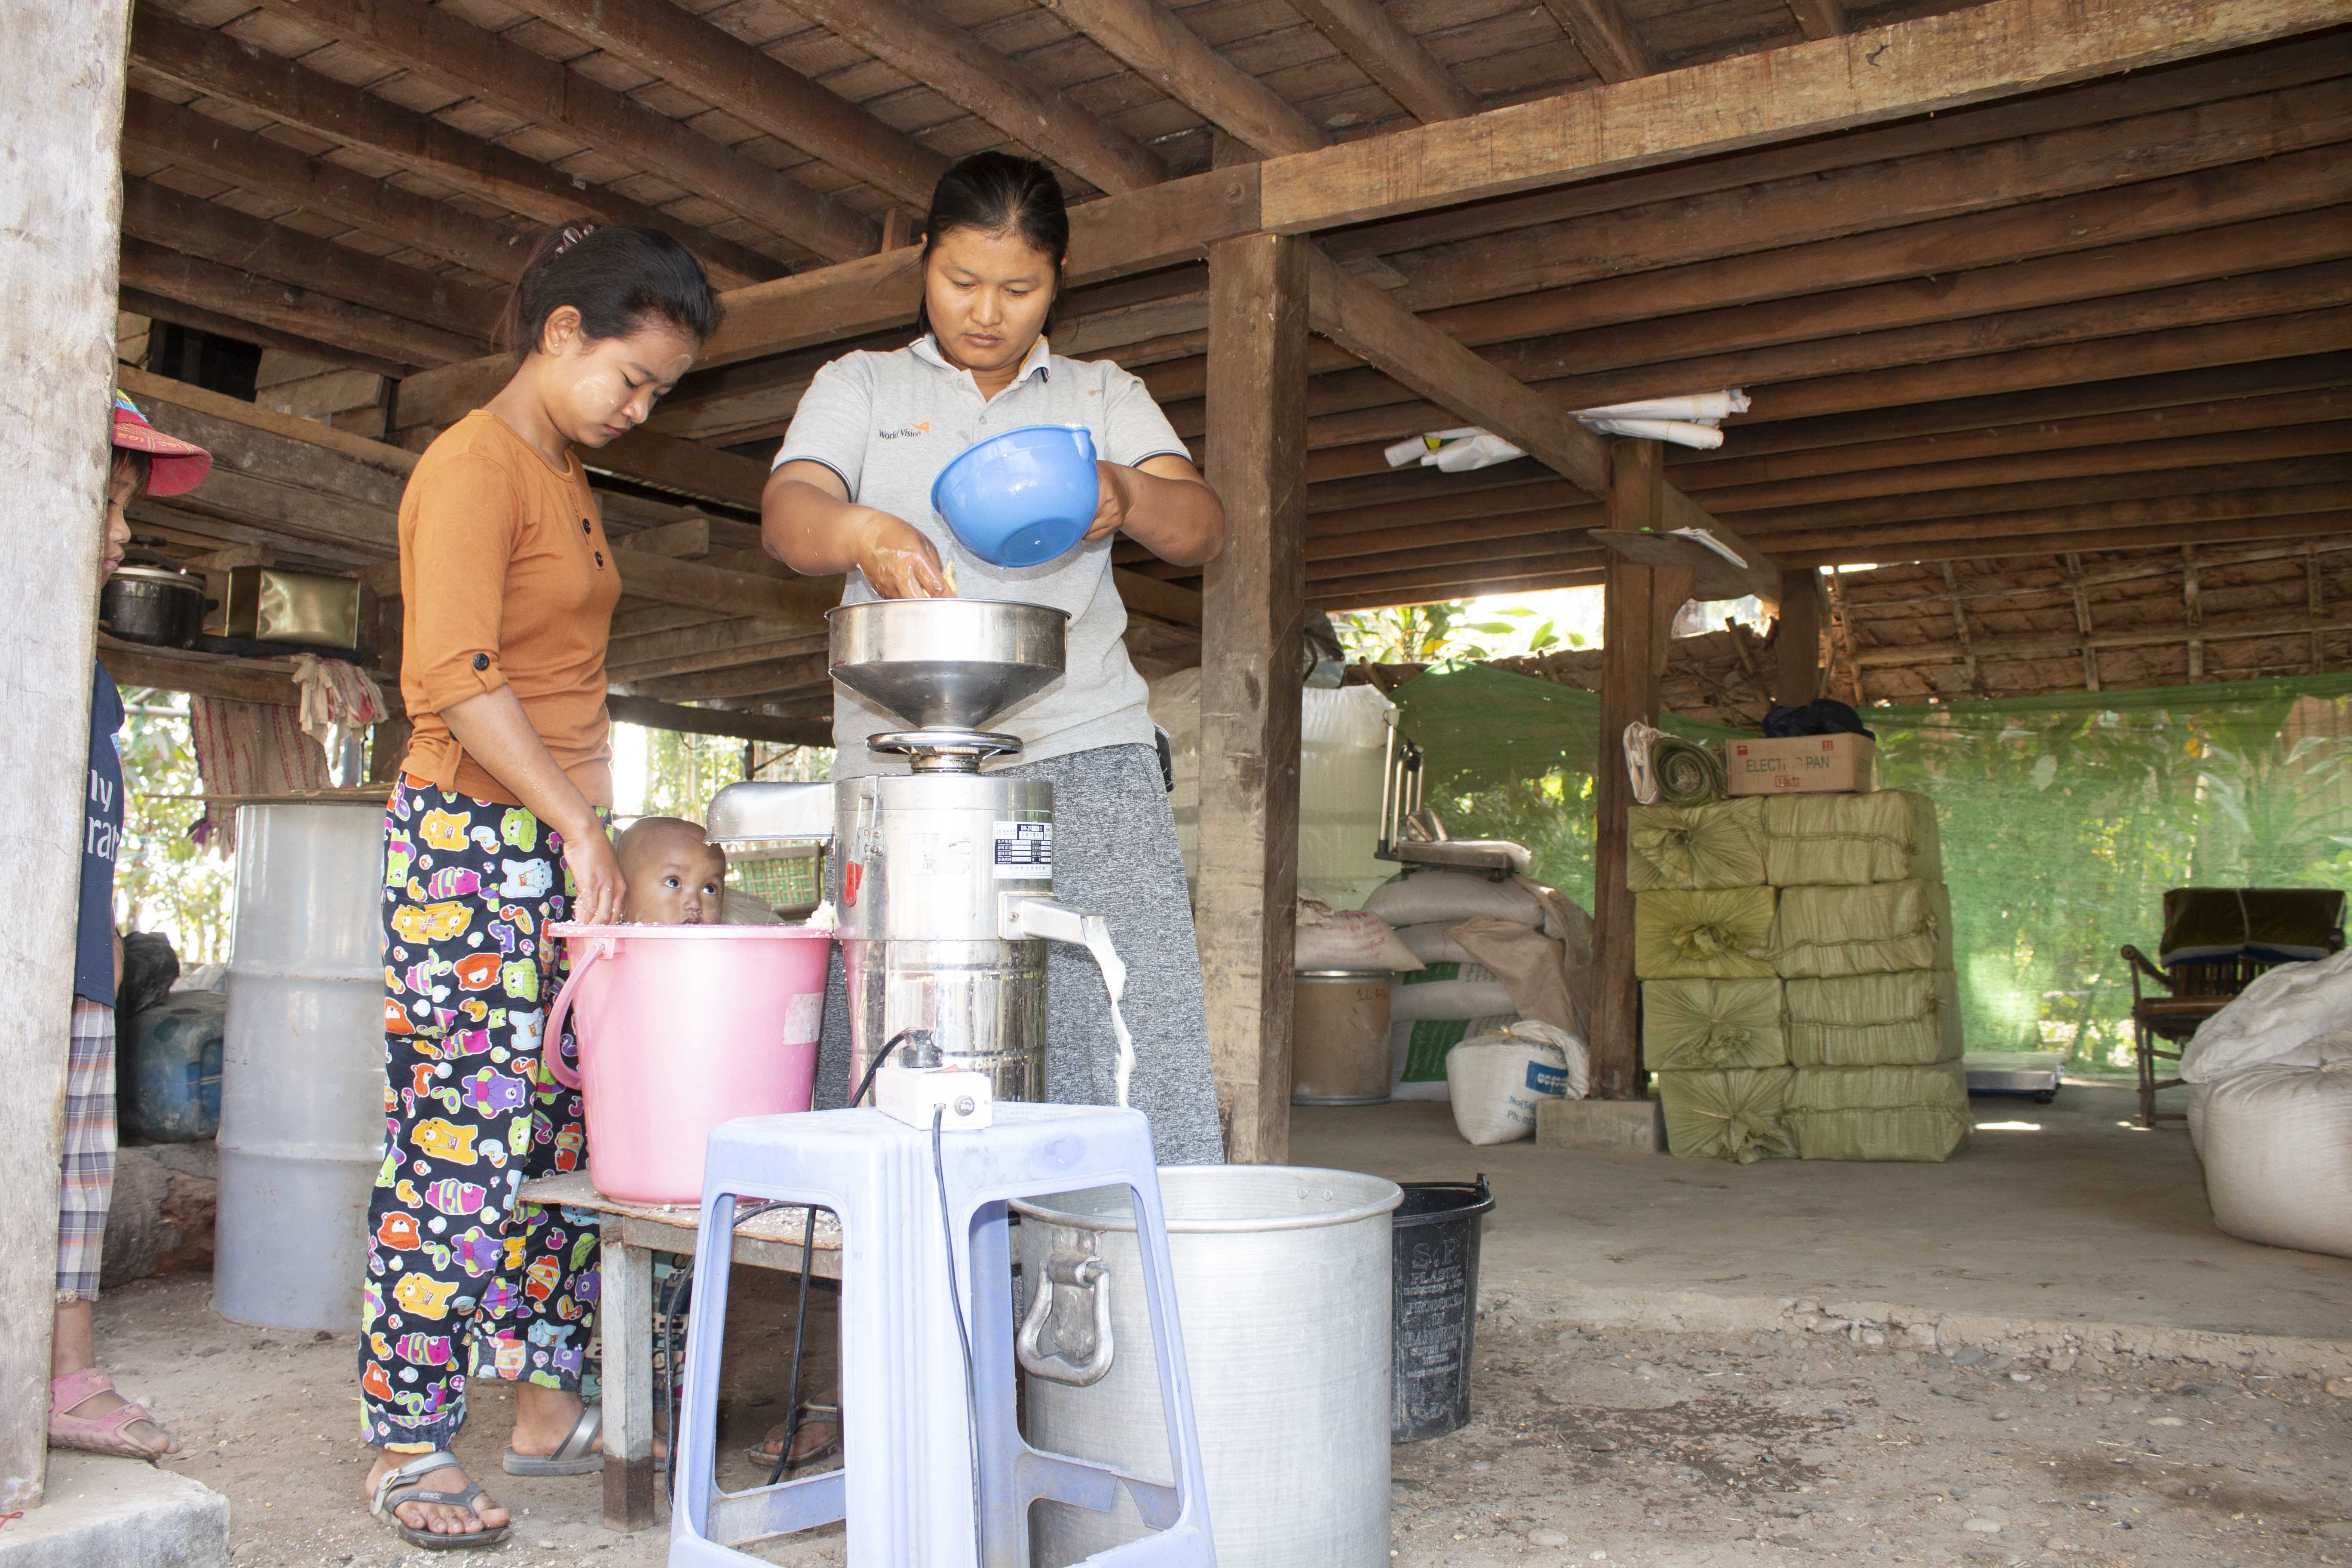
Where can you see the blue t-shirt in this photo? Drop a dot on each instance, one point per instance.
(102, 837)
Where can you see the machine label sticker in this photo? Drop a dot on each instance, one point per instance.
(1025, 849)
(804, 1018)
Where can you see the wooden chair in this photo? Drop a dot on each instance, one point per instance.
(2193, 993)
(2208, 962)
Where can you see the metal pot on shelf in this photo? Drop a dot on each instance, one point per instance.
(160, 606)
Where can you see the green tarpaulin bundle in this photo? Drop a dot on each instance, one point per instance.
(1417, 1047)
(1828, 932)
(1739, 1116)
(1886, 836)
(1914, 1113)
(1911, 1018)
(1712, 1024)
(1700, 934)
(1718, 845)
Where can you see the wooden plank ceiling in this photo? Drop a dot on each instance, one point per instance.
(2105, 316)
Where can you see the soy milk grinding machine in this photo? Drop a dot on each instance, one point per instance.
(945, 874)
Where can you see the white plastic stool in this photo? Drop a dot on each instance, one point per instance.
(905, 1484)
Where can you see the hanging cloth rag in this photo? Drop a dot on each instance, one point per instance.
(248, 748)
(338, 697)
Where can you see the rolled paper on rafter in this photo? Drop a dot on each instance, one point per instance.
(1680, 432)
(1702, 407)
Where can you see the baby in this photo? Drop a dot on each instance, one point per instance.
(675, 877)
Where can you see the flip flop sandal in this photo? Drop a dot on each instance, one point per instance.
(811, 1415)
(406, 1484)
(575, 1456)
(108, 1433)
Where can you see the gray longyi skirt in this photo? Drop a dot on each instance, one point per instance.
(1114, 855)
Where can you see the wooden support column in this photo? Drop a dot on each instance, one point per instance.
(1797, 646)
(1632, 638)
(61, 119)
(1253, 598)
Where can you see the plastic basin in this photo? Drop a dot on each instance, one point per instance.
(1022, 498)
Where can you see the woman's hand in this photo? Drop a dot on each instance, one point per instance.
(1116, 499)
(596, 873)
(898, 561)
(1162, 506)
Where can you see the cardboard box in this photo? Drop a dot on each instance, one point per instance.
(1810, 765)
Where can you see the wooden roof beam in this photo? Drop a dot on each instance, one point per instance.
(1157, 46)
(169, 219)
(252, 162)
(522, 82)
(2294, 311)
(1133, 233)
(1969, 56)
(218, 66)
(1819, 18)
(188, 312)
(1178, 219)
(694, 56)
(1605, 36)
(1359, 318)
(241, 297)
(1399, 64)
(970, 75)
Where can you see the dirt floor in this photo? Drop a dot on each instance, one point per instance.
(1589, 1446)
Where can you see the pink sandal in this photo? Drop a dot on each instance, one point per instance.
(106, 1434)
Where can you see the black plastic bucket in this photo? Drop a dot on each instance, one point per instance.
(1433, 1292)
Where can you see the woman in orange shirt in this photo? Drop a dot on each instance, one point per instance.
(495, 831)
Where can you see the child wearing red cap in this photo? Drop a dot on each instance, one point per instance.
(85, 1412)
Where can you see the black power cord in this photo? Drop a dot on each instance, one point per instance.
(808, 1246)
(682, 1283)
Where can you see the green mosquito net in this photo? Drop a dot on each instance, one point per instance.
(2064, 818)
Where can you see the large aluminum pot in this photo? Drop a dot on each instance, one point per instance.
(1281, 1282)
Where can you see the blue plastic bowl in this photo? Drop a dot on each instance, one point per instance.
(1022, 498)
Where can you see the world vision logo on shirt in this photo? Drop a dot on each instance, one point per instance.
(922, 429)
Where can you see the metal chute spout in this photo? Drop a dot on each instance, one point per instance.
(764, 811)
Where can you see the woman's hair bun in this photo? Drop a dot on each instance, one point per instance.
(619, 276)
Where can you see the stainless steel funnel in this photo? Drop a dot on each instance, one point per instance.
(946, 664)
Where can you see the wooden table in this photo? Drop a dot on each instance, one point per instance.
(630, 1234)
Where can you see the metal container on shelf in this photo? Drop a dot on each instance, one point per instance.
(1339, 1031)
(301, 1128)
(267, 604)
(1281, 1282)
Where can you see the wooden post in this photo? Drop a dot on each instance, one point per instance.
(1253, 602)
(1798, 644)
(625, 1316)
(61, 121)
(1632, 638)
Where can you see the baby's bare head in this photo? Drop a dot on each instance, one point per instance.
(674, 875)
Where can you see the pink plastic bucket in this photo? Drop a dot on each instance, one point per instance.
(680, 1028)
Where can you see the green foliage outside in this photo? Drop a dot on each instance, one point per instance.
(162, 882)
(1448, 634)
(2063, 820)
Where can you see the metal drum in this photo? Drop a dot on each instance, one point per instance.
(1282, 1281)
(1339, 1037)
(301, 1125)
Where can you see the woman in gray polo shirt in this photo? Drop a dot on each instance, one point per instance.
(851, 492)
